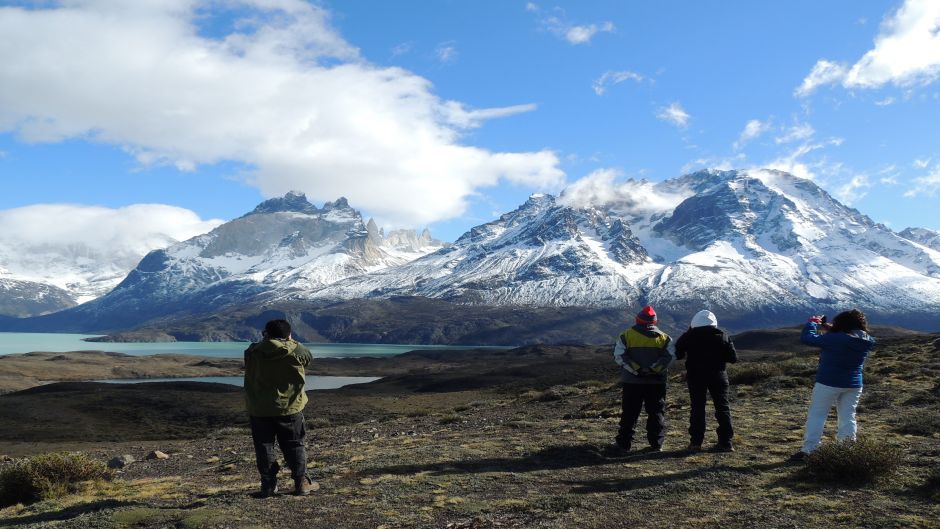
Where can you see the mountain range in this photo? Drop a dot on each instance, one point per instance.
(759, 248)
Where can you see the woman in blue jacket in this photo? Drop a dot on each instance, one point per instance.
(839, 375)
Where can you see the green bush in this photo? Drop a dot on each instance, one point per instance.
(47, 476)
(853, 462)
(748, 374)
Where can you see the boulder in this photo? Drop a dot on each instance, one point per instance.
(156, 454)
(121, 461)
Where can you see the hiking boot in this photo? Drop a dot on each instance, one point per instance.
(694, 447)
(799, 456)
(304, 486)
(724, 447)
(623, 444)
(268, 490)
(655, 448)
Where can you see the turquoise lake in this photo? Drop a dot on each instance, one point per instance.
(18, 342)
(313, 381)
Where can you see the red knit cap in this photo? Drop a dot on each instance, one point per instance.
(647, 316)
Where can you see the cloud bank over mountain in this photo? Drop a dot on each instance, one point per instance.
(278, 91)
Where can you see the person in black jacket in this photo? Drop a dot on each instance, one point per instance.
(707, 350)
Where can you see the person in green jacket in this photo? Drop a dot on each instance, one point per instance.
(275, 398)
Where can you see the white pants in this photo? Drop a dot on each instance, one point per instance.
(845, 399)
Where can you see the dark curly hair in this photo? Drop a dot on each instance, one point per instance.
(279, 329)
(850, 320)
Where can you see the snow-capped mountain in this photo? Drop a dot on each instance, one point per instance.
(285, 240)
(927, 237)
(741, 242)
(760, 248)
(542, 253)
(27, 298)
(63, 275)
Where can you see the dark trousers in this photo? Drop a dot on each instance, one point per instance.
(289, 431)
(652, 397)
(716, 384)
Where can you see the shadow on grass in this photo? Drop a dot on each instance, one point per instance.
(642, 482)
(67, 513)
(550, 458)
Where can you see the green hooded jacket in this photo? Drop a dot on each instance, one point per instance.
(274, 377)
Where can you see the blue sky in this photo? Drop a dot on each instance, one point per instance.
(449, 113)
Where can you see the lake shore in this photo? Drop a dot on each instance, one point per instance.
(23, 371)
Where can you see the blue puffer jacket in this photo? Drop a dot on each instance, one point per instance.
(842, 357)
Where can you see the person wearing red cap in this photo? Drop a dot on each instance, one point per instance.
(644, 353)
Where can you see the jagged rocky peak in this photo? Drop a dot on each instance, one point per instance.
(293, 201)
(373, 229)
(339, 203)
(927, 237)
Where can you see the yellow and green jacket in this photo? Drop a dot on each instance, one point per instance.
(274, 377)
(644, 353)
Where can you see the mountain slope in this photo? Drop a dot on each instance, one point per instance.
(927, 237)
(284, 239)
(760, 244)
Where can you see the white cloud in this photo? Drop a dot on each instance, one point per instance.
(462, 117)
(132, 228)
(921, 163)
(446, 52)
(282, 93)
(853, 190)
(885, 102)
(792, 163)
(752, 130)
(674, 114)
(403, 48)
(46, 242)
(611, 77)
(574, 34)
(584, 34)
(906, 52)
(798, 132)
(925, 185)
(823, 72)
(600, 189)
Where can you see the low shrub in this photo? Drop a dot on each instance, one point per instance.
(749, 374)
(449, 419)
(777, 382)
(853, 462)
(318, 422)
(48, 476)
(876, 400)
(932, 485)
(924, 423)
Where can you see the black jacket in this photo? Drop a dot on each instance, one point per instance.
(708, 349)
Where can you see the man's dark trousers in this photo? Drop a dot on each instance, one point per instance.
(651, 397)
(289, 431)
(714, 383)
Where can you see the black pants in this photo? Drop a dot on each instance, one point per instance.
(652, 397)
(716, 384)
(289, 431)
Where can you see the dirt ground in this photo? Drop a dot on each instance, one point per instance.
(519, 439)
